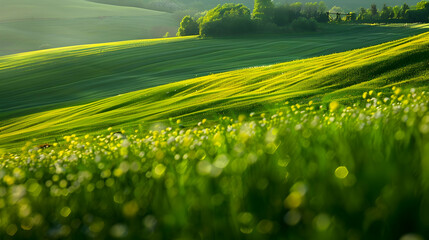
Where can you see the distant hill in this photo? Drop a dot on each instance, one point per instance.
(183, 5)
(27, 25)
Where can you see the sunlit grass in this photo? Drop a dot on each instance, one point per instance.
(331, 147)
(341, 77)
(48, 79)
(304, 170)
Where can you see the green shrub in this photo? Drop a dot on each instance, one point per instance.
(285, 14)
(304, 24)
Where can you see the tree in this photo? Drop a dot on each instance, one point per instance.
(310, 10)
(396, 12)
(422, 5)
(296, 7)
(323, 17)
(227, 19)
(404, 9)
(322, 7)
(373, 10)
(420, 14)
(373, 13)
(284, 15)
(351, 17)
(263, 10)
(391, 12)
(336, 9)
(386, 13)
(362, 14)
(188, 26)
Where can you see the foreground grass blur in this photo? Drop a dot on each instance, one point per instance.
(305, 171)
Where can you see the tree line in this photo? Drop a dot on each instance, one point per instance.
(234, 19)
(388, 14)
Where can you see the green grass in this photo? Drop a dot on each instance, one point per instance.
(41, 80)
(26, 25)
(341, 76)
(326, 147)
(303, 171)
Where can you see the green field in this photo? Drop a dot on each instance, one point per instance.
(302, 171)
(74, 75)
(320, 136)
(25, 26)
(340, 76)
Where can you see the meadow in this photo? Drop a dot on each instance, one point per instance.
(299, 136)
(26, 26)
(304, 171)
(80, 74)
(340, 77)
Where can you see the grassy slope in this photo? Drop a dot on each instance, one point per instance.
(337, 76)
(80, 74)
(347, 5)
(26, 26)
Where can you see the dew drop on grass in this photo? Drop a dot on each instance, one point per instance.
(150, 222)
(341, 172)
(322, 222)
(246, 230)
(265, 226)
(292, 217)
(130, 208)
(11, 229)
(334, 105)
(221, 161)
(294, 200)
(119, 231)
(245, 217)
(65, 211)
(204, 167)
(159, 170)
(411, 236)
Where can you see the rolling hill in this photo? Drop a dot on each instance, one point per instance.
(41, 80)
(341, 76)
(26, 26)
(177, 5)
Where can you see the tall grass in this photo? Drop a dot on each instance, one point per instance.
(303, 171)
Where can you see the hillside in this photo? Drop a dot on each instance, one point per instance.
(26, 26)
(340, 76)
(178, 5)
(81, 74)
